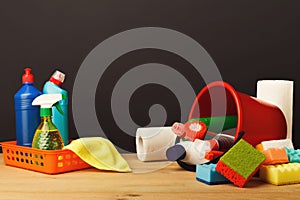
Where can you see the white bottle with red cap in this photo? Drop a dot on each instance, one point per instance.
(59, 117)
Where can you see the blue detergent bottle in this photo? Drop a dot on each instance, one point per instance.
(27, 115)
(60, 119)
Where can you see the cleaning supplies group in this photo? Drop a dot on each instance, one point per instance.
(276, 161)
(221, 149)
(45, 128)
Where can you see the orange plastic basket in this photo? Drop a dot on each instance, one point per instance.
(45, 161)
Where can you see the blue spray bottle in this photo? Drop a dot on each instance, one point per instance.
(27, 115)
(60, 119)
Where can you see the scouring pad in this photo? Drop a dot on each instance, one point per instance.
(207, 173)
(293, 155)
(281, 174)
(240, 163)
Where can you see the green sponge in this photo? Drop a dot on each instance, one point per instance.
(240, 163)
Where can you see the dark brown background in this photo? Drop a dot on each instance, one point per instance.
(248, 40)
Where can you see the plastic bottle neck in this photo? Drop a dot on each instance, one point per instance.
(46, 112)
(46, 123)
(27, 83)
(46, 118)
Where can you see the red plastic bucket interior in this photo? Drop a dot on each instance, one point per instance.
(217, 99)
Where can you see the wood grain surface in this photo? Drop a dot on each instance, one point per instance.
(170, 182)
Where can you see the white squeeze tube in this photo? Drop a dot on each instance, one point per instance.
(280, 94)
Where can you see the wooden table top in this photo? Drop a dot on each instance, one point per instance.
(171, 182)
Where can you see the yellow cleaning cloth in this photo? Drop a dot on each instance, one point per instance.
(99, 153)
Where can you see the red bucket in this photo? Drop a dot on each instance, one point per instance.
(259, 120)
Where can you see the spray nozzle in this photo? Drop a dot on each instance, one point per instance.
(46, 101)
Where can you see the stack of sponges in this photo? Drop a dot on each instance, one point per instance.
(275, 151)
(240, 163)
(277, 161)
(282, 164)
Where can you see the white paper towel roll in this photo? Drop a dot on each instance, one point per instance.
(153, 142)
(279, 93)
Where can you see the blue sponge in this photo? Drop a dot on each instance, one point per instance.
(294, 155)
(207, 173)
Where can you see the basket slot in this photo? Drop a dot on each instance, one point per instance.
(60, 164)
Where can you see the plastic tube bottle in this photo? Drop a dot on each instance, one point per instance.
(27, 116)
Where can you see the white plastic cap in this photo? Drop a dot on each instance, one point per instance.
(58, 76)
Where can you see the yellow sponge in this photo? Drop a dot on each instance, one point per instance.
(280, 174)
